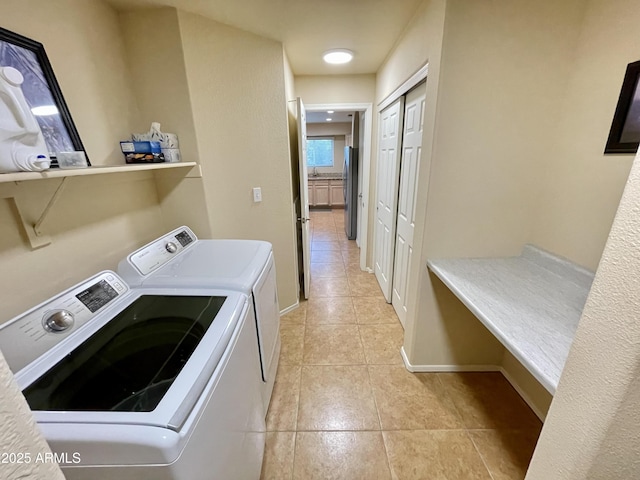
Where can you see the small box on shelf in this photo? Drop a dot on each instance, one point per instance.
(142, 152)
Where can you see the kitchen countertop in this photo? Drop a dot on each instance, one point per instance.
(325, 176)
(531, 303)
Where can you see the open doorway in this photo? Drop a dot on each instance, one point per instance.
(330, 186)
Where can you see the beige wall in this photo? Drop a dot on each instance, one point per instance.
(497, 74)
(582, 187)
(99, 219)
(165, 98)
(594, 414)
(237, 88)
(592, 428)
(323, 89)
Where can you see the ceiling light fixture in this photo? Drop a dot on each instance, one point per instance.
(328, 119)
(338, 56)
(329, 111)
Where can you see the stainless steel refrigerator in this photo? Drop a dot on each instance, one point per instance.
(350, 190)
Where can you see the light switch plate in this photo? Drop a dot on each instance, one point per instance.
(257, 194)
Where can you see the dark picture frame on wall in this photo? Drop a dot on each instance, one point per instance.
(42, 92)
(624, 136)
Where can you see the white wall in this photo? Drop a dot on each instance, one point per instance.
(237, 89)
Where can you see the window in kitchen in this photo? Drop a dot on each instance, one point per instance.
(320, 152)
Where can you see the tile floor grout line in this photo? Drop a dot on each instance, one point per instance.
(352, 276)
(479, 454)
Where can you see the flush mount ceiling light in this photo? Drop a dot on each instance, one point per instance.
(329, 119)
(338, 56)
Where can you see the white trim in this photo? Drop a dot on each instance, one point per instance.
(411, 82)
(366, 164)
(445, 368)
(524, 396)
(473, 368)
(290, 308)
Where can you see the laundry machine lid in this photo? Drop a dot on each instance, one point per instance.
(218, 263)
(147, 364)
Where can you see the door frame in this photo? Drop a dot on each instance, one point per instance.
(365, 168)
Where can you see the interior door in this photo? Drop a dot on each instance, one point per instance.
(304, 198)
(389, 144)
(409, 167)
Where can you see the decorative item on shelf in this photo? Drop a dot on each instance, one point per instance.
(168, 142)
(22, 146)
(624, 135)
(72, 160)
(41, 92)
(142, 152)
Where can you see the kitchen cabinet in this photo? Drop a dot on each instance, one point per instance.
(325, 192)
(336, 193)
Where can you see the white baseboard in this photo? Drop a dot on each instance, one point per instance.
(524, 395)
(473, 368)
(445, 368)
(290, 308)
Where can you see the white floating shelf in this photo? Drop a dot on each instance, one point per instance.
(93, 170)
(531, 303)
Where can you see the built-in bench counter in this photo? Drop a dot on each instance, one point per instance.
(531, 303)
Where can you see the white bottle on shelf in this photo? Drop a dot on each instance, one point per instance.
(22, 146)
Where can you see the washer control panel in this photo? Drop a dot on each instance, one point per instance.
(28, 336)
(159, 252)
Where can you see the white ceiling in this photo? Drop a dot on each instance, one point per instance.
(307, 28)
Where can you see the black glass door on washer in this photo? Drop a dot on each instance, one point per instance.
(130, 363)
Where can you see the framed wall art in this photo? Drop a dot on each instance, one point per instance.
(41, 91)
(624, 135)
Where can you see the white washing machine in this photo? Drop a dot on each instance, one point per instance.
(142, 384)
(180, 260)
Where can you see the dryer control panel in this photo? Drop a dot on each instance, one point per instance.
(157, 253)
(30, 335)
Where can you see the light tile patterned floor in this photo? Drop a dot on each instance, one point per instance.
(344, 406)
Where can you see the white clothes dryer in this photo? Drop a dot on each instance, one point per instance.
(180, 260)
(142, 384)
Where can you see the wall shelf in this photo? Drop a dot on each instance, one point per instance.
(94, 170)
(34, 230)
(531, 303)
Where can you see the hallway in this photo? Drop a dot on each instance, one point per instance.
(345, 407)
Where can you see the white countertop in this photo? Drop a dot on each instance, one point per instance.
(531, 303)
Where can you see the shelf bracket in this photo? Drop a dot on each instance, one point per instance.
(34, 232)
(37, 228)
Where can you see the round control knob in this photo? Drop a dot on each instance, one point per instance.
(171, 247)
(58, 321)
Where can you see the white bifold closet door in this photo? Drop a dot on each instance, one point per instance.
(405, 223)
(389, 144)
